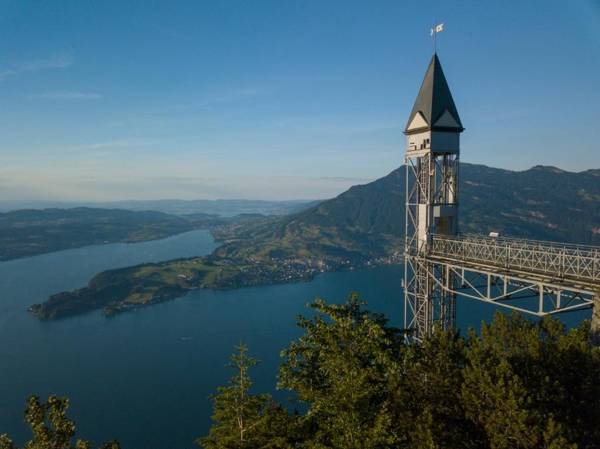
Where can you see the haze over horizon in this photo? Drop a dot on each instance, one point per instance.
(279, 100)
(128, 203)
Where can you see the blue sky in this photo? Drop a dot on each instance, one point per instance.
(280, 99)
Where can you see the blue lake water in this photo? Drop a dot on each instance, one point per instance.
(144, 377)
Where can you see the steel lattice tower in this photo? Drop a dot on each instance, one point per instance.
(534, 277)
(432, 164)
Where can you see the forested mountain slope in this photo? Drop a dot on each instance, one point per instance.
(541, 203)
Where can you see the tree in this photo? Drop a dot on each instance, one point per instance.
(50, 427)
(244, 420)
(6, 442)
(427, 394)
(520, 384)
(533, 385)
(340, 370)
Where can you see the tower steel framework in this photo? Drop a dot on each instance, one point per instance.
(534, 277)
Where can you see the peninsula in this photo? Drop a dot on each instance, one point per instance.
(363, 226)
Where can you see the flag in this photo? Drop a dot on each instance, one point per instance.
(437, 29)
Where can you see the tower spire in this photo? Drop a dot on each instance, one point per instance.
(434, 108)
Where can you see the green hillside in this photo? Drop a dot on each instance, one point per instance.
(29, 232)
(542, 202)
(368, 220)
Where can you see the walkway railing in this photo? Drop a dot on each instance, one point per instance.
(557, 261)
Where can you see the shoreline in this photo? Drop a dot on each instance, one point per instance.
(122, 290)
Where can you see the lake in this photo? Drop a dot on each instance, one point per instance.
(144, 377)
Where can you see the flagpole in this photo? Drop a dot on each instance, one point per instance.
(437, 28)
(434, 37)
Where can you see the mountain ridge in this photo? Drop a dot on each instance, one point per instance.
(367, 221)
(542, 202)
(29, 232)
(362, 226)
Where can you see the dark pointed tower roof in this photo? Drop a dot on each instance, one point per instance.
(434, 104)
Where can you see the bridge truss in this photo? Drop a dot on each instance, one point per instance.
(511, 272)
(533, 277)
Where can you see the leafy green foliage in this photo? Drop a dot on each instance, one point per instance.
(533, 385)
(242, 419)
(426, 394)
(339, 369)
(518, 384)
(364, 388)
(50, 427)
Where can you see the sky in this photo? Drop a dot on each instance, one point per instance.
(108, 100)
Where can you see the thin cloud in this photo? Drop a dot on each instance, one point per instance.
(60, 61)
(233, 95)
(209, 100)
(66, 95)
(115, 144)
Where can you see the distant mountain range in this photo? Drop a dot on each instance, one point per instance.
(366, 221)
(364, 225)
(34, 230)
(540, 203)
(224, 208)
(29, 232)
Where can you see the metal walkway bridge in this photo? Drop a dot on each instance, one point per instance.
(535, 277)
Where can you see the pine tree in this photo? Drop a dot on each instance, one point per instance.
(533, 385)
(427, 394)
(244, 420)
(339, 369)
(50, 427)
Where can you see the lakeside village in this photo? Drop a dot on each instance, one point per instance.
(250, 272)
(253, 271)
